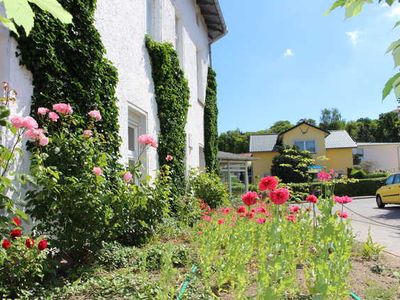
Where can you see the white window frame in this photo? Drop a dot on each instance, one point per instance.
(179, 40)
(133, 155)
(150, 17)
(200, 80)
(304, 142)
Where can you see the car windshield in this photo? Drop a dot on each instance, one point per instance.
(390, 180)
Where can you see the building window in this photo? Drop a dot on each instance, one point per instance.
(306, 145)
(202, 159)
(136, 127)
(200, 85)
(150, 8)
(179, 39)
(360, 152)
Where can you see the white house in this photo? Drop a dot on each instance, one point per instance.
(380, 156)
(191, 25)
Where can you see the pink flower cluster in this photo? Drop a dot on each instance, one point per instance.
(24, 122)
(268, 183)
(31, 129)
(95, 114)
(148, 140)
(324, 176)
(280, 196)
(63, 108)
(342, 200)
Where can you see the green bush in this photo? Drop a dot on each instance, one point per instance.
(209, 188)
(291, 165)
(357, 174)
(114, 256)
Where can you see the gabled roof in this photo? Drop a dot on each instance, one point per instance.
(339, 139)
(233, 156)
(214, 19)
(335, 139)
(304, 123)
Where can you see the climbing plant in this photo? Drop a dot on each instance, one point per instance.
(211, 124)
(172, 97)
(68, 65)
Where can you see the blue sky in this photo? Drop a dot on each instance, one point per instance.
(286, 60)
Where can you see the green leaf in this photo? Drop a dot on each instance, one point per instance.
(55, 9)
(393, 46)
(20, 12)
(396, 87)
(396, 25)
(389, 86)
(10, 25)
(396, 56)
(353, 8)
(336, 4)
(390, 2)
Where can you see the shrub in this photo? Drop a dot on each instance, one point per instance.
(358, 174)
(291, 165)
(22, 261)
(209, 188)
(370, 249)
(114, 255)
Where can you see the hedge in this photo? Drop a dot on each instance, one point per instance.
(363, 187)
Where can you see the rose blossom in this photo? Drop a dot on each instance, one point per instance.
(53, 116)
(342, 200)
(17, 121)
(43, 140)
(261, 220)
(312, 199)
(16, 221)
(42, 245)
(280, 196)
(95, 114)
(87, 133)
(128, 177)
(63, 108)
(148, 140)
(342, 214)
(6, 244)
(250, 198)
(42, 111)
(323, 176)
(16, 233)
(97, 171)
(29, 243)
(169, 158)
(221, 221)
(294, 209)
(268, 183)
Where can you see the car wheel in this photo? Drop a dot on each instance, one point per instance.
(379, 202)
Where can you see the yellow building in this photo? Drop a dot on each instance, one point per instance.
(330, 149)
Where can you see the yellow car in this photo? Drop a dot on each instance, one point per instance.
(390, 192)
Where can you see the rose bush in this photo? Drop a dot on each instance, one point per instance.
(261, 248)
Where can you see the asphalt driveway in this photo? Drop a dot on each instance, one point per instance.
(384, 223)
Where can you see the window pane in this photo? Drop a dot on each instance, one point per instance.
(396, 179)
(299, 144)
(132, 139)
(390, 180)
(310, 146)
(149, 16)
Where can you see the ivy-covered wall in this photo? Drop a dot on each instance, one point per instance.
(211, 124)
(172, 97)
(68, 65)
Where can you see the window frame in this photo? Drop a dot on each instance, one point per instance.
(304, 145)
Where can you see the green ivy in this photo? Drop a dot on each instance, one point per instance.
(68, 65)
(211, 124)
(172, 97)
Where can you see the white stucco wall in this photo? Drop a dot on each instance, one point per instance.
(385, 156)
(122, 26)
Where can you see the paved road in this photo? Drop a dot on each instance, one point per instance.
(388, 236)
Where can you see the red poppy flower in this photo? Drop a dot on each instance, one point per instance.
(206, 218)
(6, 244)
(221, 221)
(242, 209)
(42, 245)
(16, 221)
(250, 198)
(312, 199)
(268, 183)
(343, 215)
(29, 243)
(291, 218)
(280, 196)
(261, 220)
(294, 209)
(16, 233)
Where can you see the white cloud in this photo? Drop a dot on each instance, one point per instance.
(354, 37)
(288, 52)
(394, 11)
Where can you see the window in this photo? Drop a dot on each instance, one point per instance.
(150, 17)
(389, 180)
(396, 179)
(136, 127)
(179, 39)
(200, 88)
(202, 159)
(306, 145)
(133, 135)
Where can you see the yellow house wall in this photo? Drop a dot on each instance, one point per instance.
(339, 159)
(262, 164)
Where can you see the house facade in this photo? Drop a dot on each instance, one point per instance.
(379, 156)
(190, 25)
(329, 149)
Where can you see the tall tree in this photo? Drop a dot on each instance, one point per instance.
(234, 141)
(331, 119)
(280, 126)
(388, 129)
(308, 120)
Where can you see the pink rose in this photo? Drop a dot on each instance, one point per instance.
(63, 108)
(148, 140)
(168, 157)
(268, 183)
(97, 171)
(280, 196)
(34, 134)
(87, 133)
(42, 111)
(29, 123)
(95, 114)
(17, 121)
(43, 140)
(53, 116)
(250, 198)
(128, 177)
